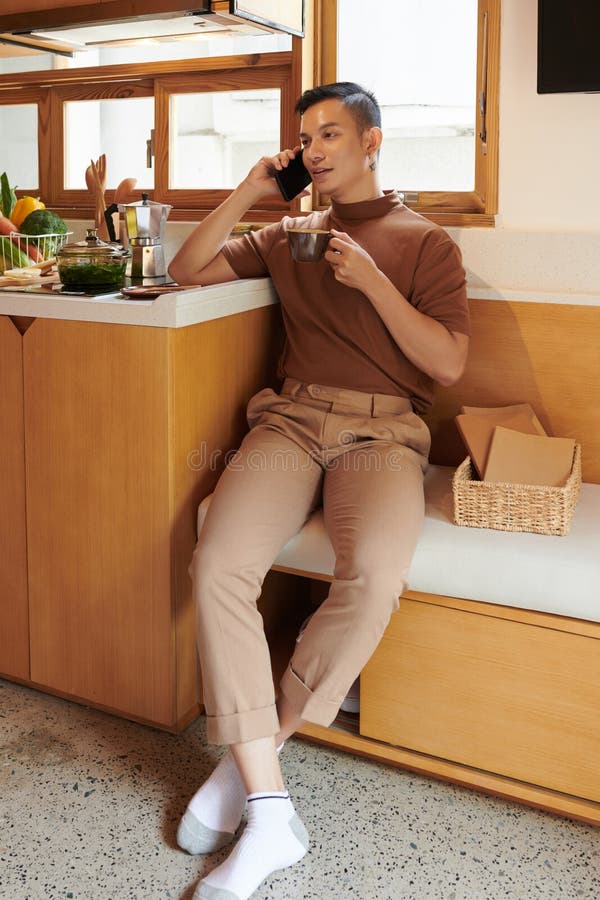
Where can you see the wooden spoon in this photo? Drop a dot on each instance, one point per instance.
(124, 189)
(99, 173)
(89, 180)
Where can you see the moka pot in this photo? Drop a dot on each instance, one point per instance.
(145, 225)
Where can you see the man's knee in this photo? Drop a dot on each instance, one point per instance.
(380, 575)
(219, 572)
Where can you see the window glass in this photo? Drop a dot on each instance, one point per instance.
(119, 128)
(19, 144)
(420, 59)
(215, 137)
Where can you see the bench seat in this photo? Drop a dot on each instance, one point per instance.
(547, 573)
(488, 674)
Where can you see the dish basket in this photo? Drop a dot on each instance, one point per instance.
(515, 507)
(35, 249)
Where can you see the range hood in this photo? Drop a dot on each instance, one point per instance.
(67, 29)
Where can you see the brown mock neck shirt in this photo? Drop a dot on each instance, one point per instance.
(334, 336)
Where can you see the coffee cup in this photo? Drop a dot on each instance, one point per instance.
(308, 244)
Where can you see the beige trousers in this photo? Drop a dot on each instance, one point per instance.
(363, 457)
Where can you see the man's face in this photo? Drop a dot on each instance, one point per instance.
(335, 153)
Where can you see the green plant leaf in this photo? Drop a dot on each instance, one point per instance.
(8, 198)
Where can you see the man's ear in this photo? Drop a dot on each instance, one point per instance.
(374, 137)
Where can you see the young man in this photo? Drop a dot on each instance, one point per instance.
(369, 329)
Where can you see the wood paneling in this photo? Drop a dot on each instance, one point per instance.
(517, 687)
(446, 770)
(25, 6)
(98, 513)
(14, 635)
(545, 354)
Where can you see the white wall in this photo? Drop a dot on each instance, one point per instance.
(549, 143)
(547, 235)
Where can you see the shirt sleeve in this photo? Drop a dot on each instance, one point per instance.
(439, 285)
(248, 255)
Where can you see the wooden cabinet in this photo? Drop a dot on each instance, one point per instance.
(489, 687)
(125, 429)
(14, 642)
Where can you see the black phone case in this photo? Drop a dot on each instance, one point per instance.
(293, 179)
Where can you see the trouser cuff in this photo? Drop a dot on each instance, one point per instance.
(307, 703)
(244, 726)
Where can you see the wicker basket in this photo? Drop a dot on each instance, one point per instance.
(515, 507)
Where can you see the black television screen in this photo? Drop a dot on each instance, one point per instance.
(568, 46)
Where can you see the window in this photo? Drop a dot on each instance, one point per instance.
(19, 130)
(216, 136)
(433, 66)
(118, 127)
(212, 131)
(186, 113)
(187, 127)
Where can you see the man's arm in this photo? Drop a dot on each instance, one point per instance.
(440, 353)
(199, 259)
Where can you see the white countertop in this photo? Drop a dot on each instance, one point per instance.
(178, 310)
(175, 310)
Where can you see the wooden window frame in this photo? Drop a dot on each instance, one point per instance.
(222, 80)
(52, 88)
(451, 208)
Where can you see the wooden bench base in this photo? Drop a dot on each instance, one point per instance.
(500, 699)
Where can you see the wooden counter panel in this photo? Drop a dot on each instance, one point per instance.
(506, 696)
(14, 626)
(98, 514)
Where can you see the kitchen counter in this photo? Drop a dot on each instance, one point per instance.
(203, 304)
(111, 436)
(174, 310)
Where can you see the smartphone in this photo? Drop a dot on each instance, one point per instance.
(294, 179)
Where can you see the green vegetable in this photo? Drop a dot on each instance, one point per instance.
(8, 198)
(44, 221)
(11, 257)
(109, 274)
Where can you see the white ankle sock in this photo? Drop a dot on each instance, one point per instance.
(274, 838)
(215, 811)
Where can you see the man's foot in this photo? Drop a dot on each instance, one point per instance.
(215, 811)
(274, 838)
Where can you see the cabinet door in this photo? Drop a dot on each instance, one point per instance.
(96, 425)
(14, 638)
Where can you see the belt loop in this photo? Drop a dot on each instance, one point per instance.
(292, 386)
(373, 410)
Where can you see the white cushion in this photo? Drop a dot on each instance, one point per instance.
(532, 571)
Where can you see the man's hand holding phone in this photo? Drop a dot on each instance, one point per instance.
(293, 178)
(284, 173)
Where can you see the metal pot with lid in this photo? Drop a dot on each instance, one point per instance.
(92, 263)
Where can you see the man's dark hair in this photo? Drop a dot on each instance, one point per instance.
(361, 103)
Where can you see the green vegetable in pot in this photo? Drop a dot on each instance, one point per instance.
(41, 222)
(97, 274)
(11, 257)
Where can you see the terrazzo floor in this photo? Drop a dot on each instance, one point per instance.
(89, 805)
